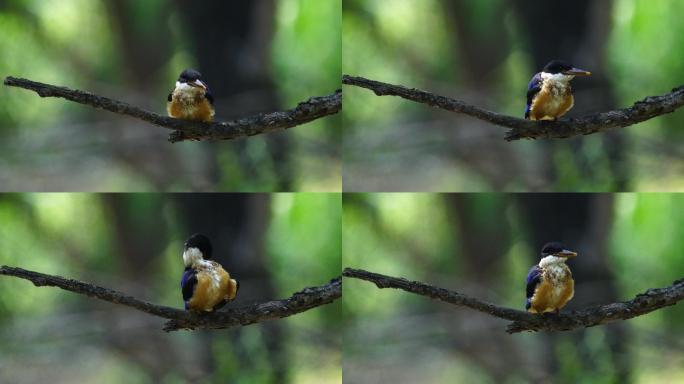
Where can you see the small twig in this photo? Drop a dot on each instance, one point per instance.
(305, 112)
(642, 304)
(301, 301)
(646, 109)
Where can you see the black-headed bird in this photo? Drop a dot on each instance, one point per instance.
(549, 284)
(205, 284)
(191, 99)
(549, 94)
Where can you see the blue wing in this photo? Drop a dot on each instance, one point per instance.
(532, 89)
(188, 283)
(209, 96)
(534, 277)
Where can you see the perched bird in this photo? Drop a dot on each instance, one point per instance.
(549, 94)
(191, 99)
(205, 284)
(549, 284)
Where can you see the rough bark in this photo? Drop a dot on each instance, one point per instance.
(307, 298)
(643, 110)
(642, 304)
(305, 112)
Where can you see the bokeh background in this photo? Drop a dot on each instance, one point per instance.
(274, 245)
(485, 52)
(483, 245)
(256, 56)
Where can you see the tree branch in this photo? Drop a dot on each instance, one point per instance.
(642, 304)
(646, 109)
(301, 301)
(306, 111)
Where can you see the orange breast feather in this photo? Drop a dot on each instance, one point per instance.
(552, 295)
(214, 286)
(550, 105)
(204, 295)
(190, 106)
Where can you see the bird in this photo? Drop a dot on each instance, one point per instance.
(549, 284)
(549, 94)
(191, 99)
(206, 286)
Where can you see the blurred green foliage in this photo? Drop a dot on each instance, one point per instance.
(74, 235)
(393, 144)
(416, 237)
(307, 60)
(307, 228)
(50, 144)
(38, 40)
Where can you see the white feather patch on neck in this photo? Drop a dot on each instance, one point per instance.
(557, 77)
(192, 256)
(549, 261)
(184, 87)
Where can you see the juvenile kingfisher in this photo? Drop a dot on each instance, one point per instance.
(205, 284)
(191, 99)
(549, 284)
(549, 94)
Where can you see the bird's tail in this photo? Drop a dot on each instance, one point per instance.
(233, 287)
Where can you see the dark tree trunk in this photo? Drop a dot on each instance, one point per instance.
(139, 238)
(583, 222)
(577, 32)
(237, 225)
(482, 243)
(231, 41)
(144, 47)
(480, 50)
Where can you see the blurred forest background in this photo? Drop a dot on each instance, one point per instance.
(256, 56)
(485, 52)
(274, 245)
(483, 245)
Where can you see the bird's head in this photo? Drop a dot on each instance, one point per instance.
(197, 247)
(190, 78)
(561, 70)
(558, 250)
